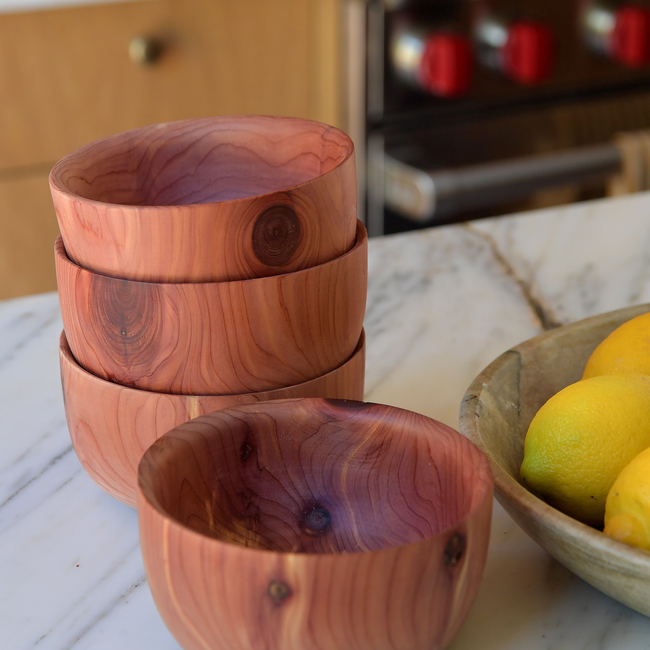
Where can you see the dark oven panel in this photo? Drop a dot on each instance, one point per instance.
(454, 87)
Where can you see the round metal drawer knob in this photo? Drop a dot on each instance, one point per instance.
(145, 50)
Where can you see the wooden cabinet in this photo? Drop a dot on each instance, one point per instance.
(28, 229)
(66, 79)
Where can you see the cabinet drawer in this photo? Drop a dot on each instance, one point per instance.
(66, 77)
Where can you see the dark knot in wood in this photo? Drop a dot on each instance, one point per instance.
(276, 235)
(454, 549)
(126, 317)
(315, 520)
(246, 451)
(279, 591)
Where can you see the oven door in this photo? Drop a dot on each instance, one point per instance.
(446, 173)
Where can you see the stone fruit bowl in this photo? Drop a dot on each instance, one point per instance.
(496, 412)
(314, 524)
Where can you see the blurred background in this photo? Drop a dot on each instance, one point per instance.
(459, 109)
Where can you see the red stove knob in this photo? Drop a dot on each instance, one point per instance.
(529, 52)
(523, 50)
(447, 64)
(438, 61)
(630, 38)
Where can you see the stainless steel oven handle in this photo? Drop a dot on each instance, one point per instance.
(428, 196)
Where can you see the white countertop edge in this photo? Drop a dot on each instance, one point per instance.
(19, 6)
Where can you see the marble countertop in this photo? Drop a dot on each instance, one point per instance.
(442, 303)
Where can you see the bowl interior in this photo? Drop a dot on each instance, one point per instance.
(315, 476)
(202, 161)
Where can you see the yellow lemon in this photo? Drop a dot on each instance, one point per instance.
(627, 512)
(581, 439)
(626, 351)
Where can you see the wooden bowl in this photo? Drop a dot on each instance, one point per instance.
(496, 412)
(215, 338)
(314, 524)
(111, 426)
(210, 199)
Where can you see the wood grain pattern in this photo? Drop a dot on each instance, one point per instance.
(212, 199)
(111, 426)
(496, 412)
(217, 338)
(314, 524)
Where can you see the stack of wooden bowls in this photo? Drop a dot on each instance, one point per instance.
(204, 264)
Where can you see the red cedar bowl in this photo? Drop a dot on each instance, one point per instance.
(496, 412)
(216, 338)
(111, 426)
(210, 199)
(314, 524)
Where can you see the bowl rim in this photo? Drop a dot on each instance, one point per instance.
(66, 352)
(486, 496)
(510, 492)
(360, 242)
(57, 186)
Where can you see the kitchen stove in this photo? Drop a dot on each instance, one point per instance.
(462, 97)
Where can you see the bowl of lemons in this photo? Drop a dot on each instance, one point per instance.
(564, 419)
